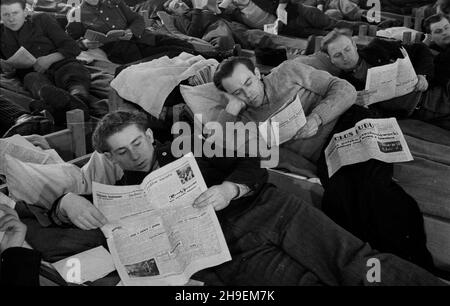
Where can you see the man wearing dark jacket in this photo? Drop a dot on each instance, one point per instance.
(201, 22)
(137, 42)
(274, 238)
(55, 54)
(355, 63)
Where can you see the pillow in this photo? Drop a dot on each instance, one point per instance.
(204, 99)
(41, 184)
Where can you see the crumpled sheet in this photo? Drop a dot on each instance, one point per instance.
(148, 84)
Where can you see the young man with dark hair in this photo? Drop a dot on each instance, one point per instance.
(274, 238)
(428, 102)
(324, 98)
(438, 28)
(56, 78)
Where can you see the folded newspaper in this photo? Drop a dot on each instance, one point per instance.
(391, 80)
(154, 234)
(284, 124)
(380, 139)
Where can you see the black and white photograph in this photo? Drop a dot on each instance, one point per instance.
(101, 101)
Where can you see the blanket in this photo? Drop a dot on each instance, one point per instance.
(148, 84)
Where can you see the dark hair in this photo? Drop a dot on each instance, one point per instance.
(115, 122)
(331, 37)
(430, 20)
(226, 68)
(9, 2)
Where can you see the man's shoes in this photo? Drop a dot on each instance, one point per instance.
(28, 124)
(59, 101)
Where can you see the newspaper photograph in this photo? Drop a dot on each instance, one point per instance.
(392, 80)
(380, 139)
(154, 234)
(290, 119)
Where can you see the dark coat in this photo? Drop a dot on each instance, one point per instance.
(364, 199)
(19, 267)
(382, 52)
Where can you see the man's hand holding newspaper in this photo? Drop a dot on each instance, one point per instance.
(154, 233)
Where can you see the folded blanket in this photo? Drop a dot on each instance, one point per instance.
(148, 84)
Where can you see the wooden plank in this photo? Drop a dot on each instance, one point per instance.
(61, 141)
(75, 123)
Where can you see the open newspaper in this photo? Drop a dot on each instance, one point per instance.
(391, 80)
(154, 234)
(380, 139)
(22, 59)
(18, 147)
(111, 36)
(284, 124)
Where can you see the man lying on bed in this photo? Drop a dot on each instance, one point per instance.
(428, 101)
(135, 43)
(274, 238)
(56, 78)
(323, 97)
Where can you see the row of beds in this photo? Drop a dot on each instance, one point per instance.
(429, 145)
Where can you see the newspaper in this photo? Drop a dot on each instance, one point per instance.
(22, 59)
(18, 147)
(289, 119)
(380, 139)
(111, 36)
(391, 80)
(155, 235)
(93, 264)
(271, 28)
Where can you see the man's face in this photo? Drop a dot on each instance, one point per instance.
(245, 85)
(13, 16)
(440, 33)
(131, 148)
(343, 53)
(178, 7)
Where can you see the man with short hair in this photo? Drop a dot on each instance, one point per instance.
(136, 43)
(55, 52)
(274, 238)
(438, 27)
(355, 63)
(252, 97)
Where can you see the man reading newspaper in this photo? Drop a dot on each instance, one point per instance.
(356, 65)
(274, 238)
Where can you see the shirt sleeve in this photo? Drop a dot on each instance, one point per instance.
(338, 94)
(63, 42)
(135, 22)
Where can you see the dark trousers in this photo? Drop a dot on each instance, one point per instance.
(9, 112)
(283, 240)
(435, 107)
(66, 75)
(308, 20)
